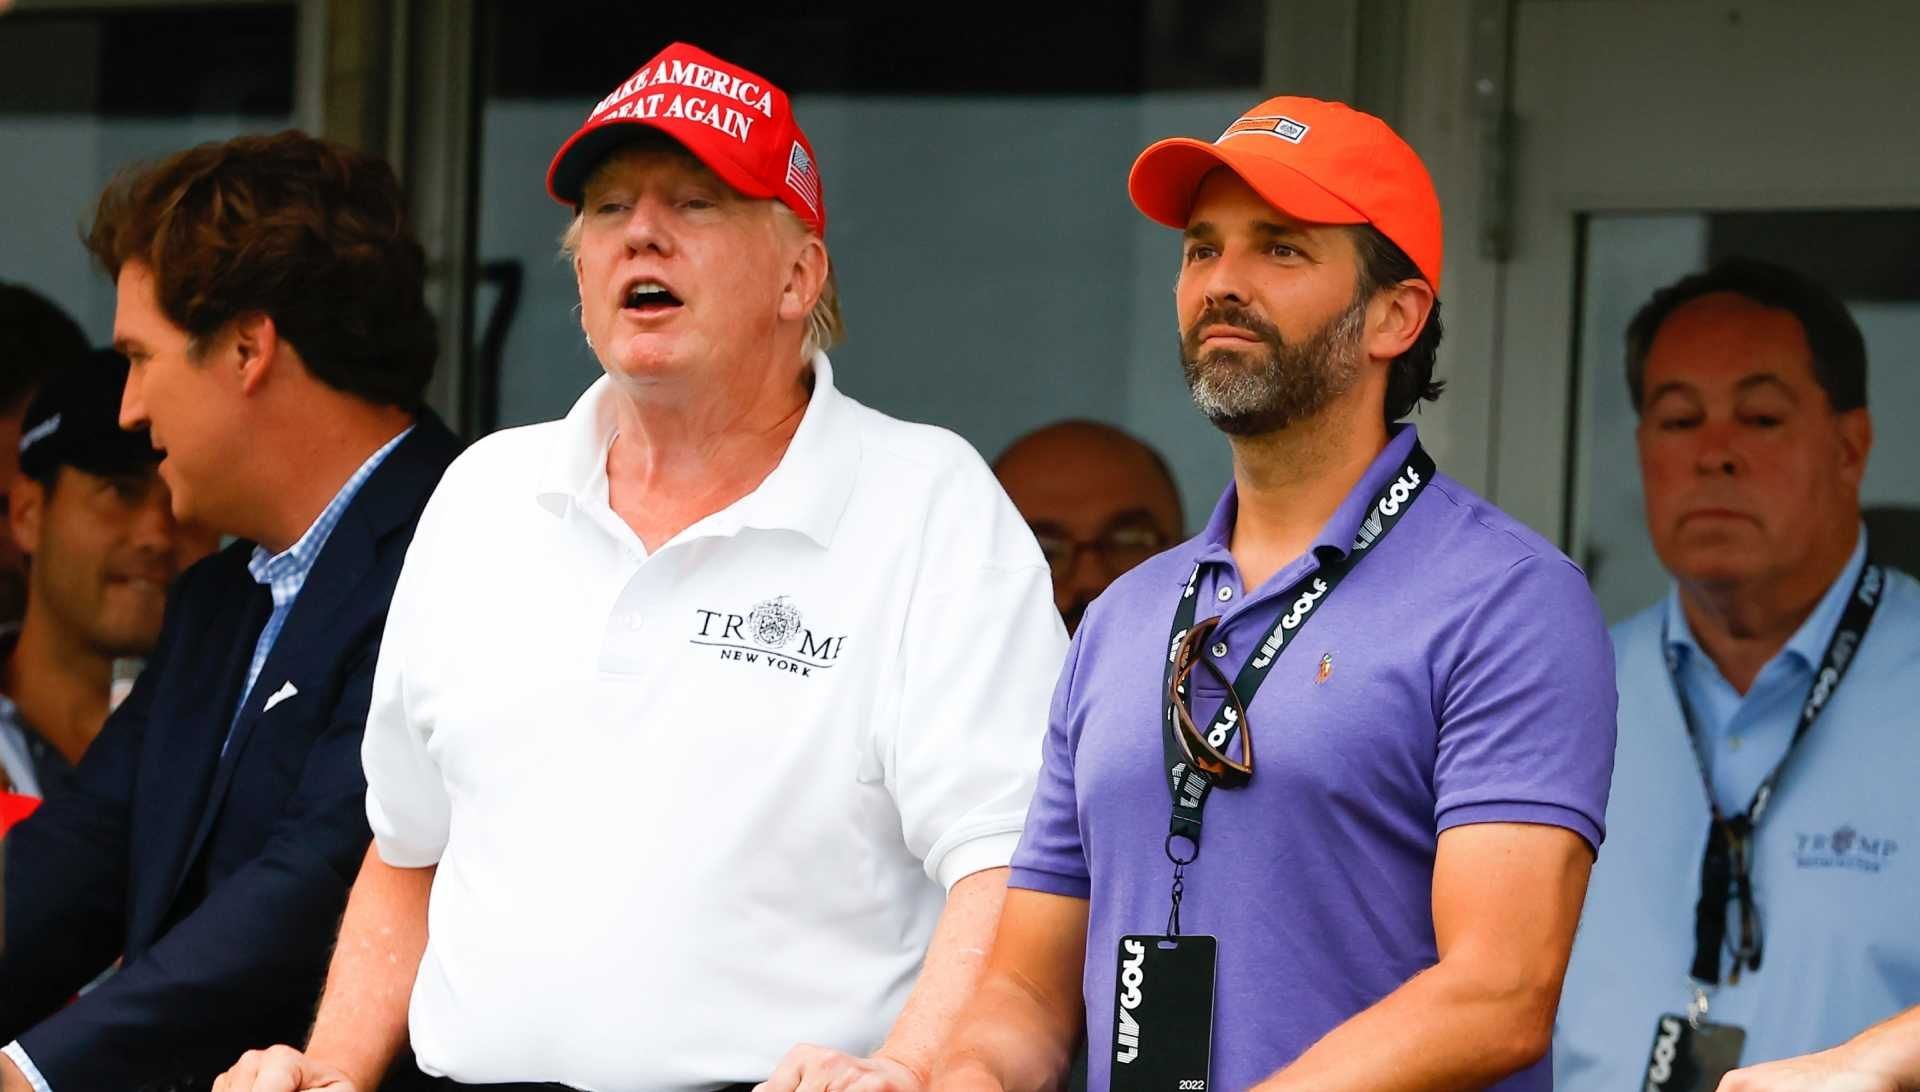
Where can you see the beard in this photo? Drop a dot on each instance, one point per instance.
(1257, 391)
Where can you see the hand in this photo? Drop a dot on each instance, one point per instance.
(1823, 1072)
(280, 1069)
(819, 1069)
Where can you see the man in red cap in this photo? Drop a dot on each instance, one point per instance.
(736, 757)
(1386, 899)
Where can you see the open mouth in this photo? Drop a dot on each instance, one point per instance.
(649, 297)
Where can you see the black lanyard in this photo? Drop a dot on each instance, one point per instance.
(1190, 785)
(1726, 864)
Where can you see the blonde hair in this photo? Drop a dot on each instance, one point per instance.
(825, 326)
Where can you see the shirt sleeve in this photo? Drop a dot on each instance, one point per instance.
(1051, 856)
(407, 803)
(1527, 709)
(18, 1055)
(981, 645)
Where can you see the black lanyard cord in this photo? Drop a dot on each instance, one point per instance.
(1726, 865)
(1190, 785)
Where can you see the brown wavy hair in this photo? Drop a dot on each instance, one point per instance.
(309, 232)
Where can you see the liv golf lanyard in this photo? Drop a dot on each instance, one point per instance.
(1163, 985)
(1190, 785)
(1725, 867)
(1689, 1054)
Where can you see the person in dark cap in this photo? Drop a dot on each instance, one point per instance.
(94, 516)
(96, 521)
(36, 339)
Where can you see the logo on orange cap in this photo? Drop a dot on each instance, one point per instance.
(1278, 125)
(736, 122)
(1353, 169)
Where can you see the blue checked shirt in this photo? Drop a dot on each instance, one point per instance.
(285, 573)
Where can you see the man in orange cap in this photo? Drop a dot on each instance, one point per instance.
(737, 757)
(1387, 898)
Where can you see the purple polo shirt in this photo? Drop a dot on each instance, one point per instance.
(1460, 674)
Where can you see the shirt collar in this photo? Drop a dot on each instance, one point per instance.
(1336, 536)
(275, 570)
(806, 492)
(1808, 643)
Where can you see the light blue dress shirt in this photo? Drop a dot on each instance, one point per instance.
(1836, 867)
(285, 573)
(1743, 736)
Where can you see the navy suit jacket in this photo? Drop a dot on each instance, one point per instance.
(218, 879)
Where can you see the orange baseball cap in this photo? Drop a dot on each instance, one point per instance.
(1320, 162)
(737, 123)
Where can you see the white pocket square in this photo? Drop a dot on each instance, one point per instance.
(287, 690)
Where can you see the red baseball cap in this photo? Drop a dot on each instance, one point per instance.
(1320, 162)
(735, 122)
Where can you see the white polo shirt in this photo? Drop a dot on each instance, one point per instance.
(693, 808)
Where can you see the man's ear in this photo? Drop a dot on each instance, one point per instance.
(1856, 443)
(255, 349)
(806, 279)
(1395, 317)
(26, 513)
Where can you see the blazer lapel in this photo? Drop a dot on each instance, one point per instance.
(331, 597)
(187, 745)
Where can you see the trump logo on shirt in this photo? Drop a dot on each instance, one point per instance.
(772, 633)
(1844, 848)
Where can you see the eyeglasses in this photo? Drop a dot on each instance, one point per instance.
(1730, 880)
(1204, 753)
(1117, 548)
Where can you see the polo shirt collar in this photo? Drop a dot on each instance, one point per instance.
(1335, 539)
(806, 492)
(1807, 644)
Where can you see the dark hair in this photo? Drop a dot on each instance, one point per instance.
(1839, 352)
(1410, 378)
(47, 476)
(312, 233)
(36, 339)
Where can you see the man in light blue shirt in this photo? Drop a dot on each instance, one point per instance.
(1781, 675)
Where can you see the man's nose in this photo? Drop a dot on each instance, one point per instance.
(1718, 453)
(133, 404)
(1225, 283)
(646, 228)
(1086, 575)
(154, 527)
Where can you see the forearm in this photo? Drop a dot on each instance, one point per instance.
(952, 968)
(1018, 1031)
(1445, 1028)
(1008, 1038)
(362, 1020)
(1890, 1049)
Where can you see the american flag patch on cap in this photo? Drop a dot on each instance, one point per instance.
(801, 177)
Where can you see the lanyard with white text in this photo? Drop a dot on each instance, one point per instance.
(1726, 864)
(1190, 784)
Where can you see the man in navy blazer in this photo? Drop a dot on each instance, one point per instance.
(270, 301)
